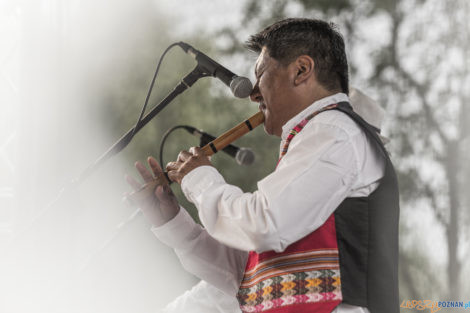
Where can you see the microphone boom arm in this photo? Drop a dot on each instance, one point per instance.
(184, 84)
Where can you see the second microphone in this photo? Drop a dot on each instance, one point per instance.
(243, 156)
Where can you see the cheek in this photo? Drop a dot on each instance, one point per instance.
(266, 87)
(269, 97)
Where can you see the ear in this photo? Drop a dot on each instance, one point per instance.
(304, 69)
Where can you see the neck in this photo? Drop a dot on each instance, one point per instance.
(301, 100)
(315, 95)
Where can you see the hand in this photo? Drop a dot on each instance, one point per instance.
(186, 162)
(154, 197)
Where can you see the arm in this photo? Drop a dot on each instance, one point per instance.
(203, 298)
(202, 255)
(199, 253)
(312, 179)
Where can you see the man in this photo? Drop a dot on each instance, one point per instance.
(320, 233)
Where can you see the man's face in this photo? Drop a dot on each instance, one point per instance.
(273, 90)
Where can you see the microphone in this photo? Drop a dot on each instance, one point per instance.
(241, 87)
(243, 156)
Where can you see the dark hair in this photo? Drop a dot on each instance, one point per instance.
(287, 39)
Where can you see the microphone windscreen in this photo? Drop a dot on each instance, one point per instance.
(241, 87)
(245, 156)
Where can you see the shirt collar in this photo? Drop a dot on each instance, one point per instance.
(290, 124)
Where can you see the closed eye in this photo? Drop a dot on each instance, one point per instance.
(259, 74)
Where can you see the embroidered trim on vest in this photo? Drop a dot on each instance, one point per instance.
(304, 277)
(291, 263)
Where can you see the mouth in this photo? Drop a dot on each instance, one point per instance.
(262, 107)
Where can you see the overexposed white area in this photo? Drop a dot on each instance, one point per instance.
(201, 16)
(75, 255)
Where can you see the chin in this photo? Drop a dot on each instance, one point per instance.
(266, 130)
(269, 129)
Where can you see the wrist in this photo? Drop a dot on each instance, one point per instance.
(199, 180)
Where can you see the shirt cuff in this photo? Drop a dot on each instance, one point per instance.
(176, 232)
(199, 180)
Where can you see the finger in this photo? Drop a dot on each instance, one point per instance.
(126, 200)
(173, 176)
(172, 166)
(144, 172)
(156, 169)
(164, 195)
(134, 183)
(184, 155)
(161, 194)
(196, 151)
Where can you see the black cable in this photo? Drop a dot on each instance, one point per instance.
(150, 89)
(164, 137)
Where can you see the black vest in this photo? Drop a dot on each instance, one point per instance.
(367, 235)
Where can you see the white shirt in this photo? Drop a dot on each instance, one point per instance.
(329, 160)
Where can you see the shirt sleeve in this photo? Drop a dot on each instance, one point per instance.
(311, 180)
(203, 298)
(202, 255)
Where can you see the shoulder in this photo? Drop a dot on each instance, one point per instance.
(337, 120)
(328, 130)
(330, 125)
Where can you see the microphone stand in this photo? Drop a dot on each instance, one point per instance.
(184, 84)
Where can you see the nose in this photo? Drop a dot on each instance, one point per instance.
(255, 95)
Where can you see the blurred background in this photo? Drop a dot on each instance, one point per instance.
(73, 79)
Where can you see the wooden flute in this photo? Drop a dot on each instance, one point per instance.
(233, 134)
(212, 147)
